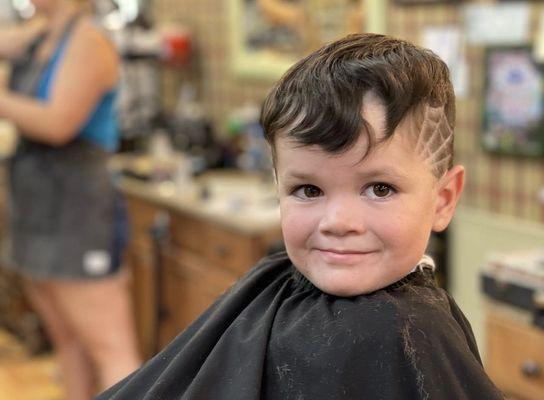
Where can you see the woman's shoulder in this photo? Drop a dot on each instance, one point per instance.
(90, 46)
(87, 33)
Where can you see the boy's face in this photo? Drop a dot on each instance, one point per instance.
(351, 226)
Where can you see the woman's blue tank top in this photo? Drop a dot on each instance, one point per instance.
(101, 127)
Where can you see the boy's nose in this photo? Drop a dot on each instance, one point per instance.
(341, 217)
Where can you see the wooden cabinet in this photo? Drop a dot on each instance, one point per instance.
(515, 355)
(221, 246)
(177, 276)
(200, 261)
(140, 258)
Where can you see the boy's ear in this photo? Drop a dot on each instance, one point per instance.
(450, 187)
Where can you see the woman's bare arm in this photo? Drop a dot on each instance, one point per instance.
(89, 69)
(15, 38)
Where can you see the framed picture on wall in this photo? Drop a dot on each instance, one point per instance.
(268, 36)
(513, 102)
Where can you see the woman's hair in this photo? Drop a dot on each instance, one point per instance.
(319, 100)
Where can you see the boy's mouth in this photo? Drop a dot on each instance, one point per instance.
(342, 255)
(341, 251)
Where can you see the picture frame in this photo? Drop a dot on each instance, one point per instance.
(513, 102)
(260, 49)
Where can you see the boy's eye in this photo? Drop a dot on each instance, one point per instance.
(307, 191)
(379, 190)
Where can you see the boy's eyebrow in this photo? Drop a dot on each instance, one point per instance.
(388, 173)
(367, 174)
(297, 174)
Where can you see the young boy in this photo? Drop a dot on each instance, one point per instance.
(361, 133)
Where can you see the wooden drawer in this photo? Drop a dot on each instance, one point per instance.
(515, 357)
(190, 285)
(223, 247)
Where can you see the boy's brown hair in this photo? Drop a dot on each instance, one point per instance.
(319, 100)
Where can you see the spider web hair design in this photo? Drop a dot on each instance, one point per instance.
(435, 140)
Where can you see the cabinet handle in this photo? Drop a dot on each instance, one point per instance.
(222, 251)
(163, 314)
(531, 369)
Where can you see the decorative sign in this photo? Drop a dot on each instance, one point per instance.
(513, 104)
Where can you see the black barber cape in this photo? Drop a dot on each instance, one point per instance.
(275, 336)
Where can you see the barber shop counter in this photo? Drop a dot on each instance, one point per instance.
(190, 242)
(514, 286)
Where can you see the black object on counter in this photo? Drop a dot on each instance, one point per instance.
(514, 294)
(508, 292)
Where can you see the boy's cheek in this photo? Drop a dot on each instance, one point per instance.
(296, 225)
(292, 227)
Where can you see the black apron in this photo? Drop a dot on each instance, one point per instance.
(62, 209)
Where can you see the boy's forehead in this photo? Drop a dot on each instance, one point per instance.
(395, 154)
(290, 152)
(285, 144)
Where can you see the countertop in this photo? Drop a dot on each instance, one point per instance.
(241, 202)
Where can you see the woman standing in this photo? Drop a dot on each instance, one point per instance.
(64, 209)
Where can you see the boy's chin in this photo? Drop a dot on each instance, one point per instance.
(346, 287)
(349, 279)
